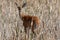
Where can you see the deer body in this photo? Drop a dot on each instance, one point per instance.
(30, 22)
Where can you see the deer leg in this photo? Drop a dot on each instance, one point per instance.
(33, 32)
(28, 31)
(25, 32)
(34, 27)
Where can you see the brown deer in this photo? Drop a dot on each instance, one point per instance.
(29, 22)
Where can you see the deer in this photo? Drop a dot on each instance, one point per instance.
(29, 22)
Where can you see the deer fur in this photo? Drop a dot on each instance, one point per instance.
(30, 22)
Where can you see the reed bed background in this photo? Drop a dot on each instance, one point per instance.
(11, 27)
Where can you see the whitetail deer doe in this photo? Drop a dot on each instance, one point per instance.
(30, 22)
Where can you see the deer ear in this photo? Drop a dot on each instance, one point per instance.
(24, 5)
